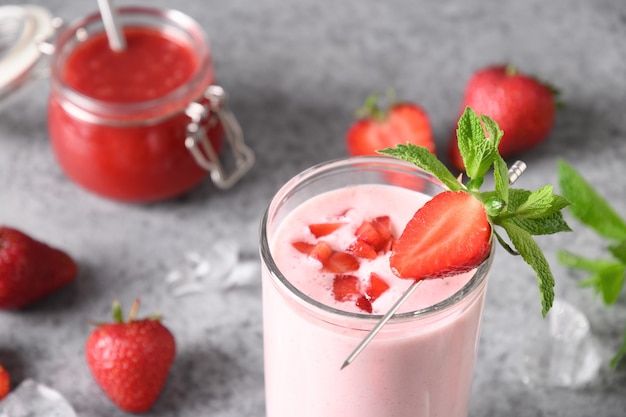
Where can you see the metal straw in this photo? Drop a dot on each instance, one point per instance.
(514, 173)
(117, 42)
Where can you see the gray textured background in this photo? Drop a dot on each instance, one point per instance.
(296, 70)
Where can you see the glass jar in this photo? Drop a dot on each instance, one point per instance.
(155, 127)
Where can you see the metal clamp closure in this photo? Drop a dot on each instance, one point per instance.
(213, 111)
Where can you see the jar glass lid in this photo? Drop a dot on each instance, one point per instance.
(21, 28)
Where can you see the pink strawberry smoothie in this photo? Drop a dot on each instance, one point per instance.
(419, 365)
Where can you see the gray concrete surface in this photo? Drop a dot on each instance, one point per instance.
(296, 70)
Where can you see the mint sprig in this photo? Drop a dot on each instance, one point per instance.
(607, 276)
(522, 214)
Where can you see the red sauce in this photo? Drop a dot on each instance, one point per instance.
(135, 161)
(151, 66)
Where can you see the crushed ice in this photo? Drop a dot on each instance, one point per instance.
(223, 266)
(32, 399)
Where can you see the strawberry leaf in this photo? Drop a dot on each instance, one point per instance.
(533, 256)
(424, 159)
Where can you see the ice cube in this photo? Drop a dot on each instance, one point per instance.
(223, 256)
(32, 399)
(561, 351)
(245, 273)
(220, 267)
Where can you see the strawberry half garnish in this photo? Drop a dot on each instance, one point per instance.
(449, 235)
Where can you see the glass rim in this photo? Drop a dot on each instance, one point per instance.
(479, 273)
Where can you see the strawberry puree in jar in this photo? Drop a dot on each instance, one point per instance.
(420, 364)
(117, 120)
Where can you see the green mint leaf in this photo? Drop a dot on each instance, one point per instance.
(620, 355)
(540, 203)
(501, 178)
(533, 256)
(607, 282)
(619, 251)
(579, 262)
(424, 159)
(548, 225)
(478, 152)
(475, 183)
(588, 206)
(537, 213)
(607, 277)
(517, 197)
(505, 244)
(494, 133)
(611, 282)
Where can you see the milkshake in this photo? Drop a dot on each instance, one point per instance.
(319, 305)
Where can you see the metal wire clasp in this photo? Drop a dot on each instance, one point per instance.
(200, 146)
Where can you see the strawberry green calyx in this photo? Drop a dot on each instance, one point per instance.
(371, 106)
(522, 214)
(118, 314)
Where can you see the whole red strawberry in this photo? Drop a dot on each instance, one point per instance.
(131, 360)
(5, 383)
(29, 269)
(378, 128)
(523, 107)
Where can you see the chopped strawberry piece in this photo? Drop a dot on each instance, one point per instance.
(341, 262)
(449, 235)
(383, 227)
(364, 304)
(361, 249)
(323, 229)
(322, 252)
(383, 231)
(376, 233)
(303, 247)
(369, 234)
(376, 287)
(346, 287)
